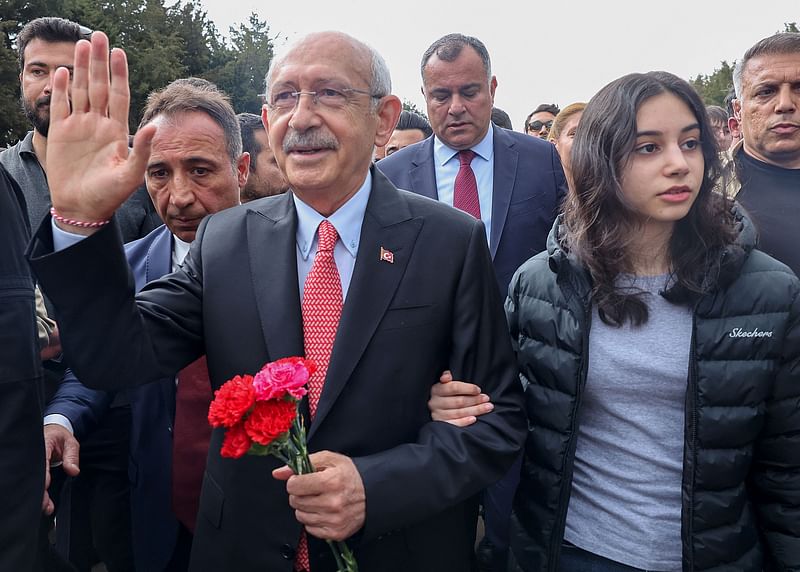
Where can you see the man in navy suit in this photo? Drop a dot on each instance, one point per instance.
(520, 180)
(196, 168)
(520, 185)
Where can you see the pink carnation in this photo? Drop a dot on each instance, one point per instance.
(287, 375)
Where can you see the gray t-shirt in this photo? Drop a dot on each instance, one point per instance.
(626, 492)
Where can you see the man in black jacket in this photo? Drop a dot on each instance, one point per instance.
(21, 438)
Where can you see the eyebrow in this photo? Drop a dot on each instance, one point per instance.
(46, 65)
(653, 133)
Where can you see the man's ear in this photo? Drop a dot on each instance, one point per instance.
(737, 109)
(243, 169)
(388, 113)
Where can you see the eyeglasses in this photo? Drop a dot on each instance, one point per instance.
(329, 97)
(537, 125)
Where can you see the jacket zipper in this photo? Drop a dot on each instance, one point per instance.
(566, 486)
(689, 475)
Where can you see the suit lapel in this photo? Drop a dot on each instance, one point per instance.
(159, 257)
(271, 242)
(505, 175)
(423, 172)
(388, 224)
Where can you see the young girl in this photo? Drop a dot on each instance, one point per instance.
(660, 353)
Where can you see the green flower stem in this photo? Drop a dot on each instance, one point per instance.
(295, 454)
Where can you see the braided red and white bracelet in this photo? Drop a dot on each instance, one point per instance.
(79, 223)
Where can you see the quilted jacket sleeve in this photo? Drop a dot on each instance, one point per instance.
(776, 467)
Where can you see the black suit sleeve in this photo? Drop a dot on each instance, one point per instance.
(110, 340)
(448, 464)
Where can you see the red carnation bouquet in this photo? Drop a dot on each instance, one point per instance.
(260, 417)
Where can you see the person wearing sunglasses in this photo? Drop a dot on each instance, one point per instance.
(540, 120)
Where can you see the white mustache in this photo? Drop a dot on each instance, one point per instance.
(309, 140)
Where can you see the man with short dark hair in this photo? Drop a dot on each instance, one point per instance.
(266, 178)
(196, 168)
(538, 123)
(501, 119)
(767, 161)
(411, 128)
(382, 288)
(44, 45)
(511, 182)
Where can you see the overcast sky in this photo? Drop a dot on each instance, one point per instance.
(558, 51)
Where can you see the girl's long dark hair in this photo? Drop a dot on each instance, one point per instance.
(599, 222)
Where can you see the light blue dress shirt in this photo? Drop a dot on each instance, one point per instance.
(446, 165)
(346, 220)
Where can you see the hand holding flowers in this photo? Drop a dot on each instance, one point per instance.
(261, 418)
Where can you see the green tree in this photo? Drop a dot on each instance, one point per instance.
(714, 87)
(13, 15)
(162, 42)
(242, 76)
(410, 106)
(790, 27)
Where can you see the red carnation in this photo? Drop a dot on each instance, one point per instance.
(236, 442)
(269, 420)
(231, 401)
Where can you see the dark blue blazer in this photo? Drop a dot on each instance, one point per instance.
(529, 185)
(154, 526)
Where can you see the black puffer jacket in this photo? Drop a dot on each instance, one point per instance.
(741, 469)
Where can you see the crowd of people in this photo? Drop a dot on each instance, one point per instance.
(585, 335)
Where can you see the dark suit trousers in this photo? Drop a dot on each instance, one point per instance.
(94, 519)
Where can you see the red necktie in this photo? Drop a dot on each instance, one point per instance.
(465, 192)
(322, 308)
(191, 434)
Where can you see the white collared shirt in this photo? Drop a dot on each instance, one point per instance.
(180, 249)
(446, 165)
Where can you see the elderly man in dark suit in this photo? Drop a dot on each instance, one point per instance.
(512, 182)
(412, 293)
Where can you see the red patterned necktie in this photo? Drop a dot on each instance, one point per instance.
(465, 192)
(322, 308)
(191, 434)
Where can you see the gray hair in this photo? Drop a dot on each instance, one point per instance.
(783, 43)
(380, 83)
(448, 48)
(196, 94)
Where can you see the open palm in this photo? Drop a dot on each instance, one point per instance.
(89, 167)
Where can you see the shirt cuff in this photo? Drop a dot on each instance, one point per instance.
(58, 419)
(63, 239)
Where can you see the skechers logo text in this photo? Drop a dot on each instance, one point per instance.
(754, 333)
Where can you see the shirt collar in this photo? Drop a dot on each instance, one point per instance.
(180, 249)
(484, 149)
(346, 220)
(27, 144)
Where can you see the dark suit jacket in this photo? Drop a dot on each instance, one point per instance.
(154, 526)
(529, 185)
(237, 300)
(21, 441)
